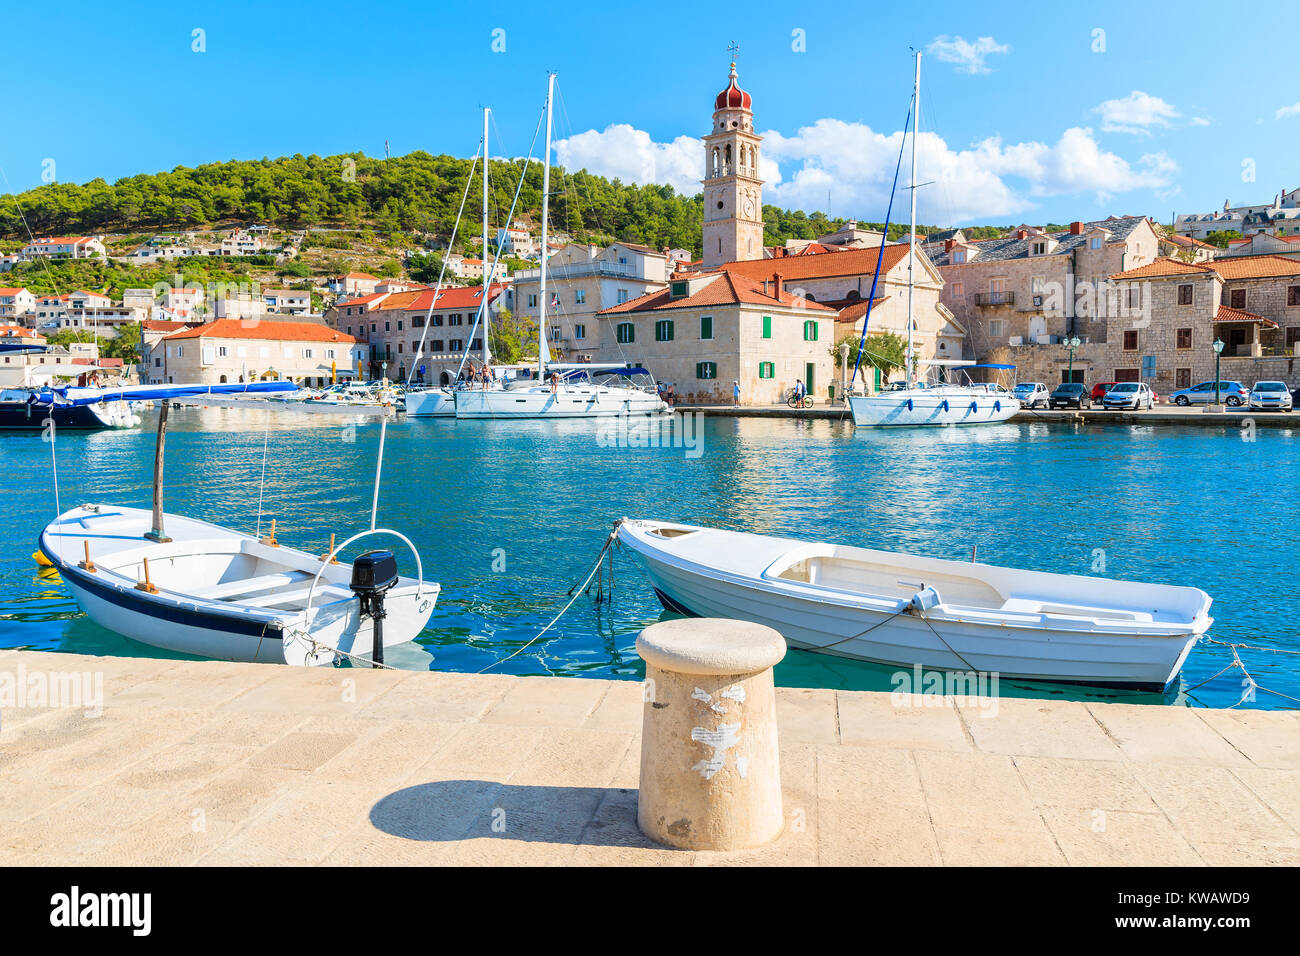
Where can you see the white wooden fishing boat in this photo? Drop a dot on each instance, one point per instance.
(903, 609)
(219, 593)
(185, 585)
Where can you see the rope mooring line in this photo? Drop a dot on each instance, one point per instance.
(574, 593)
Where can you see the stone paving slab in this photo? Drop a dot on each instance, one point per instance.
(209, 763)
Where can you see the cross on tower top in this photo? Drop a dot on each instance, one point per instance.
(734, 49)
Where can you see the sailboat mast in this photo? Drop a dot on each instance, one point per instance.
(546, 208)
(911, 236)
(487, 317)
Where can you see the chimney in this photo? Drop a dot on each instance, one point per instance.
(948, 244)
(1022, 234)
(1076, 229)
(776, 285)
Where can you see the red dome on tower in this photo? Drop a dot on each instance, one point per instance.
(733, 97)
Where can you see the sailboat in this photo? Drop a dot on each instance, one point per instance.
(917, 403)
(187, 585)
(574, 390)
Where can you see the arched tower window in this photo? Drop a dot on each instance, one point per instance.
(726, 160)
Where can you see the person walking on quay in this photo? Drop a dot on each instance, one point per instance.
(799, 390)
(735, 392)
(671, 395)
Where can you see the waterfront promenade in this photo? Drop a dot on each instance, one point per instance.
(246, 764)
(1160, 415)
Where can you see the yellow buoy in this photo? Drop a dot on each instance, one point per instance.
(42, 560)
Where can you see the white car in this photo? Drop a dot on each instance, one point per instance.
(1032, 394)
(1270, 395)
(1132, 395)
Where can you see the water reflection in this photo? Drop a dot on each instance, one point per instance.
(507, 516)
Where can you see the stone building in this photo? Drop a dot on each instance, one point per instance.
(1033, 286)
(710, 329)
(392, 328)
(1165, 317)
(229, 350)
(581, 280)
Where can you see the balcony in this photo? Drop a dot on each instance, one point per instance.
(995, 298)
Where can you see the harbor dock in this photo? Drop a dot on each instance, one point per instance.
(1194, 416)
(198, 762)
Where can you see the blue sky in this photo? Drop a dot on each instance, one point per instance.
(1044, 119)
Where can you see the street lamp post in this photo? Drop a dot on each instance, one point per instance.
(1218, 351)
(1073, 342)
(844, 370)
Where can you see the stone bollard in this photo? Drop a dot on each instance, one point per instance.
(710, 771)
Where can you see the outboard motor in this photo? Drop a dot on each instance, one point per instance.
(373, 575)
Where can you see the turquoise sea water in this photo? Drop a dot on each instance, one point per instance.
(508, 515)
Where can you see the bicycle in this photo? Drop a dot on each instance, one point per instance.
(795, 401)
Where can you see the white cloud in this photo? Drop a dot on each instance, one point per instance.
(968, 56)
(1201, 121)
(1135, 113)
(1286, 111)
(856, 164)
(630, 155)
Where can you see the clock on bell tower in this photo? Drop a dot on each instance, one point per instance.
(733, 193)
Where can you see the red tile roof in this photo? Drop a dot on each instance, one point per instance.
(162, 325)
(1164, 267)
(849, 262)
(1228, 314)
(272, 331)
(727, 289)
(19, 332)
(13, 291)
(459, 297)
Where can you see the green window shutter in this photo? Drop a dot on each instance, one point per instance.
(810, 331)
(626, 333)
(766, 369)
(664, 330)
(706, 326)
(767, 326)
(706, 370)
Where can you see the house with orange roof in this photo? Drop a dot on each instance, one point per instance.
(708, 330)
(1186, 248)
(415, 333)
(234, 350)
(1263, 244)
(67, 247)
(354, 283)
(16, 303)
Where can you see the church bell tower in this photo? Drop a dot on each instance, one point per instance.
(733, 193)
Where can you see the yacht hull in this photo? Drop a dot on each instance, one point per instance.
(930, 407)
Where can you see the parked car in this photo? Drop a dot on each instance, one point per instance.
(1231, 393)
(1032, 394)
(1155, 396)
(1132, 395)
(1100, 389)
(1271, 395)
(1070, 395)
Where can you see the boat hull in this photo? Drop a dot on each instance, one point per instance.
(930, 407)
(22, 416)
(430, 403)
(190, 623)
(945, 638)
(568, 401)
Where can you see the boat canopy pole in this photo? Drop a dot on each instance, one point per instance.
(880, 256)
(157, 533)
(487, 317)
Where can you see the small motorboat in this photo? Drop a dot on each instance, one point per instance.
(215, 592)
(19, 411)
(907, 610)
(186, 585)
